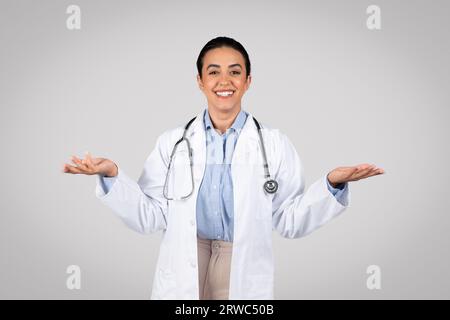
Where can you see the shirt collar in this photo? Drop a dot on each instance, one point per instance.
(237, 124)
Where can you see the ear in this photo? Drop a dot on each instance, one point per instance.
(247, 82)
(200, 83)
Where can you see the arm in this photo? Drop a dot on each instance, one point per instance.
(296, 212)
(141, 204)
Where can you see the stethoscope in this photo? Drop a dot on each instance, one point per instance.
(270, 185)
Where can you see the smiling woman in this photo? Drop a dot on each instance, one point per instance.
(223, 68)
(217, 241)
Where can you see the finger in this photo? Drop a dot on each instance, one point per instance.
(351, 169)
(89, 161)
(371, 174)
(80, 167)
(72, 169)
(79, 163)
(365, 169)
(377, 170)
(374, 172)
(65, 169)
(359, 169)
(76, 160)
(363, 166)
(362, 172)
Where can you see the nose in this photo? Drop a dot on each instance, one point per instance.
(224, 78)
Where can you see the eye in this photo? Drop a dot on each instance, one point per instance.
(235, 72)
(213, 72)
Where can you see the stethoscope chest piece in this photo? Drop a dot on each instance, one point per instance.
(271, 186)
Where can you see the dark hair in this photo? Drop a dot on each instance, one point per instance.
(220, 42)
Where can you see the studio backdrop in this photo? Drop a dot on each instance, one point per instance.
(348, 82)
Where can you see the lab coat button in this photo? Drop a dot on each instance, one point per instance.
(193, 264)
(192, 222)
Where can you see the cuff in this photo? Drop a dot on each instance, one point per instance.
(105, 184)
(341, 192)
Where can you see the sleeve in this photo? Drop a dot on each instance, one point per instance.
(106, 183)
(141, 205)
(296, 212)
(339, 192)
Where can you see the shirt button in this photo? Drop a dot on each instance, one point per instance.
(214, 187)
(218, 236)
(216, 246)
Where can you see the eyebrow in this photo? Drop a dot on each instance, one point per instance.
(230, 66)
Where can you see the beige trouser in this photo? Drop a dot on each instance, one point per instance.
(214, 261)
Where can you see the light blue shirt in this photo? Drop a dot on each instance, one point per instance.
(215, 206)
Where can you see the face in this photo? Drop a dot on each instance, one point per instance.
(224, 80)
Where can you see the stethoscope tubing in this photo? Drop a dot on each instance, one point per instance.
(270, 185)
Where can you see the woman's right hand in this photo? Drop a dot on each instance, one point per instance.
(91, 166)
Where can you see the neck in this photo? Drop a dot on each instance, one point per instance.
(222, 120)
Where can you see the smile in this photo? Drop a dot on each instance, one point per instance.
(225, 94)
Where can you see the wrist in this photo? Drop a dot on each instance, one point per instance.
(333, 184)
(113, 172)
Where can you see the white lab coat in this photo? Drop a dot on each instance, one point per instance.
(292, 211)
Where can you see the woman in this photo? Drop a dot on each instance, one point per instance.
(216, 216)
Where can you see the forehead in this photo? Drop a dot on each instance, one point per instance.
(224, 55)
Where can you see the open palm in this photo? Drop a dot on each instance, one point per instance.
(91, 166)
(355, 173)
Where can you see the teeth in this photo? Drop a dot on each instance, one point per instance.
(224, 93)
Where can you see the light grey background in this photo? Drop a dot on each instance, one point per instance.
(342, 93)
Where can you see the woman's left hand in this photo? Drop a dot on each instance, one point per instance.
(346, 174)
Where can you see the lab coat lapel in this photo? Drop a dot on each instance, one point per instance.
(243, 163)
(242, 172)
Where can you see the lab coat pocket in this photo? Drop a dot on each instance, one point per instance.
(165, 284)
